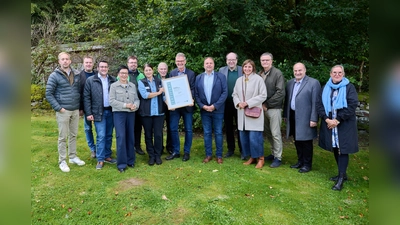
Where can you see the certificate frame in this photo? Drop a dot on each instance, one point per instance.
(177, 92)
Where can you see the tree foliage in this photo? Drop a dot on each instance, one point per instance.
(319, 33)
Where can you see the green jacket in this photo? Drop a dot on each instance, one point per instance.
(275, 84)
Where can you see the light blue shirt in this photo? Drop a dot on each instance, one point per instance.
(104, 83)
(208, 85)
(143, 90)
(295, 90)
(181, 73)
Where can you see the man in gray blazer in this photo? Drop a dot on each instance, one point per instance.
(301, 115)
(232, 72)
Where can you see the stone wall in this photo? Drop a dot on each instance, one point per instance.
(362, 113)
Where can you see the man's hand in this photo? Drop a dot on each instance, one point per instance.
(313, 124)
(209, 108)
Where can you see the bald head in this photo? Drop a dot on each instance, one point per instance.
(299, 71)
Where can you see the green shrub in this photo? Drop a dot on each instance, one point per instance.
(37, 93)
(38, 97)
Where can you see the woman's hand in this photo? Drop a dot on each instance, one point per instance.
(243, 105)
(331, 123)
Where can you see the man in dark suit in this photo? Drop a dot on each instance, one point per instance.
(134, 76)
(210, 94)
(232, 72)
(86, 73)
(301, 115)
(186, 112)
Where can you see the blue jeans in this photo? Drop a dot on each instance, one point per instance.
(175, 115)
(252, 143)
(89, 133)
(124, 130)
(212, 122)
(104, 130)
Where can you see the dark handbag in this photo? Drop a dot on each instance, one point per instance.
(254, 112)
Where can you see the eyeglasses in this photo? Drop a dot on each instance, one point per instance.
(123, 73)
(231, 60)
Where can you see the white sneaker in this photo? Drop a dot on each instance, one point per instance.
(64, 167)
(77, 161)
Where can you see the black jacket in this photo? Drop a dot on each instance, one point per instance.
(93, 96)
(145, 104)
(347, 128)
(83, 78)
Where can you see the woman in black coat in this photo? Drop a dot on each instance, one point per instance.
(338, 132)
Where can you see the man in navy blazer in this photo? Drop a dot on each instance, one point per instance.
(210, 93)
(186, 112)
(232, 72)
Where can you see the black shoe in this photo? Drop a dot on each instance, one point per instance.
(158, 161)
(151, 162)
(173, 156)
(169, 150)
(339, 184)
(270, 157)
(131, 165)
(139, 151)
(186, 157)
(297, 165)
(304, 169)
(335, 178)
(122, 170)
(228, 154)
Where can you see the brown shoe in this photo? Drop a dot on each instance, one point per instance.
(207, 159)
(260, 163)
(250, 161)
(219, 161)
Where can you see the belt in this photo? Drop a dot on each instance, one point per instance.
(107, 108)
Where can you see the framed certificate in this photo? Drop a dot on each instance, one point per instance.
(177, 92)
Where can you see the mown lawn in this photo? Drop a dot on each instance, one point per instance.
(191, 192)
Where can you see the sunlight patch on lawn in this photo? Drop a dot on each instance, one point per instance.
(127, 184)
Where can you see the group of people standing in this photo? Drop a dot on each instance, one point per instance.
(133, 100)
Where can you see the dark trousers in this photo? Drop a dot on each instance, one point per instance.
(169, 141)
(342, 160)
(138, 129)
(153, 134)
(304, 148)
(124, 123)
(230, 121)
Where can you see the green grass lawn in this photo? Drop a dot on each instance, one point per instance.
(191, 192)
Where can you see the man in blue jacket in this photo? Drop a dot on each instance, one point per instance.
(185, 112)
(63, 94)
(210, 93)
